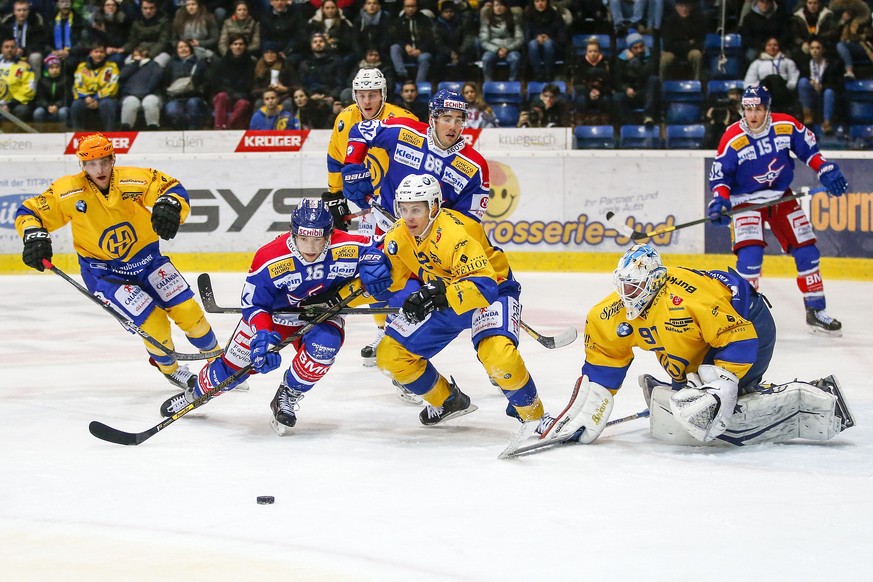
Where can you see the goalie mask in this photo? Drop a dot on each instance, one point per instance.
(370, 80)
(638, 278)
(312, 220)
(419, 188)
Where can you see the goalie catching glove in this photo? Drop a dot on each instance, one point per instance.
(704, 411)
(263, 360)
(358, 184)
(166, 216)
(37, 246)
(431, 297)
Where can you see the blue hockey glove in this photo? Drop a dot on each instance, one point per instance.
(358, 184)
(832, 178)
(717, 208)
(375, 272)
(37, 246)
(166, 216)
(431, 297)
(264, 361)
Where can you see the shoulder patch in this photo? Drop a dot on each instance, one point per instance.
(784, 128)
(281, 267)
(740, 143)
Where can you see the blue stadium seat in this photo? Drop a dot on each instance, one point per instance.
(733, 50)
(718, 88)
(455, 86)
(506, 113)
(425, 91)
(496, 92)
(639, 137)
(594, 137)
(685, 137)
(861, 137)
(534, 88)
(683, 101)
(859, 94)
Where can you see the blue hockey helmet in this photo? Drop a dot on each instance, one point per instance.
(639, 276)
(755, 95)
(311, 218)
(444, 100)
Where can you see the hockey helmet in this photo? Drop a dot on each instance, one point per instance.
(94, 147)
(419, 188)
(311, 218)
(638, 278)
(445, 100)
(369, 80)
(756, 95)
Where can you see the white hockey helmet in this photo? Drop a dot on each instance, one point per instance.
(370, 80)
(419, 188)
(639, 276)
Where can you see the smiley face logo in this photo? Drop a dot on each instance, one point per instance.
(504, 193)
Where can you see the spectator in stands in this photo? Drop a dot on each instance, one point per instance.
(233, 77)
(545, 35)
(95, 93)
(372, 60)
(220, 9)
(628, 14)
(141, 83)
(110, 26)
(311, 113)
(272, 115)
(242, 22)
(52, 93)
(372, 25)
(682, 39)
(636, 82)
(64, 36)
(412, 41)
(151, 27)
(548, 110)
(408, 99)
(593, 89)
(199, 27)
(820, 86)
(339, 34)
(721, 113)
(320, 72)
(778, 73)
(479, 113)
(27, 28)
(17, 82)
(501, 37)
(855, 32)
(280, 27)
(186, 109)
(455, 41)
(274, 72)
(810, 19)
(766, 19)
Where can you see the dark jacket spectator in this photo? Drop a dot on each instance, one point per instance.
(281, 28)
(273, 71)
(194, 23)
(682, 37)
(151, 27)
(548, 109)
(456, 36)
(140, 78)
(110, 26)
(320, 72)
(372, 24)
(545, 35)
(593, 86)
(311, 113)
(242, 22)
(766, 19)
(233, 77)
(339, 33)
(812, 18)
(186, 110)
(28, 30)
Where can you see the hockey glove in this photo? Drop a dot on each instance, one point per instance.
(431, 297)
(357, 184)
(318, 304)
(338, 208)
(718, 206)
(375, 272)
(832, 178)
(37, 246)
(264, 361)
(166, 216)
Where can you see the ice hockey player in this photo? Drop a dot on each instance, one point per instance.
(315, 265)
(714, 336)
(467, 284)
(115, 236)
(753, 165)
(370, 94)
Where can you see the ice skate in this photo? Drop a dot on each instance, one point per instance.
(457, 404)
(368, 352)
(284, 405)
(173, 405)
(406, 395)
(819, 322)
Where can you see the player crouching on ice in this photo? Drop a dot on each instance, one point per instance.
(714, 335)
(313, 265)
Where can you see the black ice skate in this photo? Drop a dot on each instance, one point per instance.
(831, 386)
(820, 323)
(457, 404)
(368, 352)
(283, 406)
(174, 405)
(182, 378)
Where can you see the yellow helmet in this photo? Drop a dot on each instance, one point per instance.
(94, 147)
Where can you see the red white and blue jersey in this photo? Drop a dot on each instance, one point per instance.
(280, 277)
(461, 170)
(759, 168)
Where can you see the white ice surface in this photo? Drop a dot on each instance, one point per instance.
(364, 493)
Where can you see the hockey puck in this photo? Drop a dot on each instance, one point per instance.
(265, 499)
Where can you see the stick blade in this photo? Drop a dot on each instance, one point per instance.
(113, 435)
(565, 338)
(207, 295)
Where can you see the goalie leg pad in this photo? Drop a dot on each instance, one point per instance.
(662, 424)
(588, 409)
(706, 411)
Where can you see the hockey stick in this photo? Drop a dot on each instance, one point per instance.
(120, 437)
(636, 235)
(207, 297)
(127, 324)
(545, 444)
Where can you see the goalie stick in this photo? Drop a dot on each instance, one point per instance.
(207, 297)
(120, 437)
(129, 325)
(636, 235)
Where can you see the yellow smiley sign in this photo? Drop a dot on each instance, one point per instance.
(504, 193)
